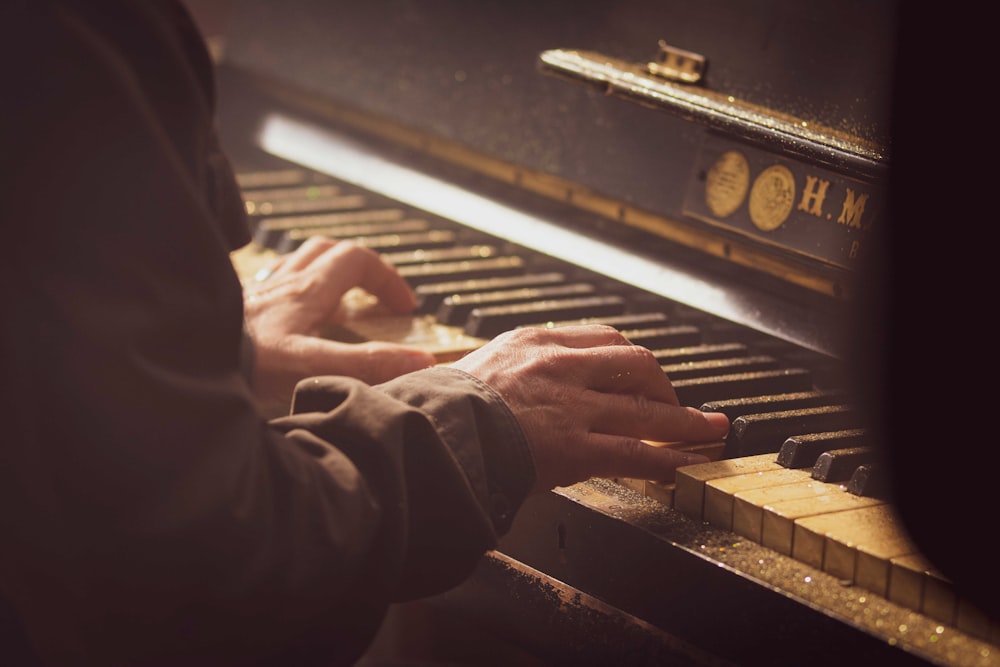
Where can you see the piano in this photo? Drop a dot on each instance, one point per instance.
(714, 179)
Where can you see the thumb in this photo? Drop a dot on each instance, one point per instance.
(373, 362)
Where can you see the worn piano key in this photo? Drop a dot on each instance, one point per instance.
(450, 254)
(713, 450)
(293, 238)
(716, 367)
(385, 243)
(940, 598)
(489, 321)
(801, 451)
(869, 479)
(432, 272)
(622, 322)
(871, 568)
(284, 207)
(682, 355)
(699, 391)
(837, 465)
(831, 542)
(745, 405)
(717, 330)
(455, 309)
(777, 526)
(678, 335)
(907, 577)
(749, 506)
(766, 432)
(274, 178)
(257, 202)
(827, 370)
(431, 295)
(643, 301)
(268, 231)
(719, 493)
(689, 493)
(663, 491)
(660, 492)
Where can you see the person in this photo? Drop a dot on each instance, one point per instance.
(150, 514)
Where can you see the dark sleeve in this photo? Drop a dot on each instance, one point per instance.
(149, 513)
(462, 459)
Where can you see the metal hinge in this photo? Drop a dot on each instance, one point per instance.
(677, 64)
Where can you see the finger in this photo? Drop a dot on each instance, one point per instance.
(580, 336)
(303, 256)
(618, 456)
(347, 265)
(373, 362)
(629, 369)
(637, 416)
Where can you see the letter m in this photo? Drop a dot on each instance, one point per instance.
(850, 214)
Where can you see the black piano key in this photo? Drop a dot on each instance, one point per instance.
(256, 201)
(433, 272)
(301, 207)
(430, 295)
(683, 355)
(621, 322)
(492, 320)
(828, 371)
(385, 243)
(699, 391)
(455, 309)
(870, 480)
(745, 405)
(801, 451)
(451, 254)
(646, 301)
(678, 335)
(279, 178)
(293, 238)
(837, 465)
(765, 432)
(717, 330)
(714, 367)
(268, 231)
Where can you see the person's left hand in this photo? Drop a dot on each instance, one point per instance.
(287, 312)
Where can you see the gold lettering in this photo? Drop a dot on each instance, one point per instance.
(813, 193)
(853, 253)
(850, 214)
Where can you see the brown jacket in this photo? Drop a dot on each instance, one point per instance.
(149, 514)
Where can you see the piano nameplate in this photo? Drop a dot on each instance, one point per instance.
(804, 209)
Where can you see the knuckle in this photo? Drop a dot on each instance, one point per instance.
(316, 242)
(644, 407)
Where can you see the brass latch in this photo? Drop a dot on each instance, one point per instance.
(677, 64)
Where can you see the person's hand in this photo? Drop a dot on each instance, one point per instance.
(586, 399)
(287, 312)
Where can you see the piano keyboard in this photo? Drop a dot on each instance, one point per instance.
(797, 474)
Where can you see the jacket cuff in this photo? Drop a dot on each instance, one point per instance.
(481, 431)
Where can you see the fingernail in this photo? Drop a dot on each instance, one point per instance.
(718, 420)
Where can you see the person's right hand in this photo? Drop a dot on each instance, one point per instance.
(586, 398)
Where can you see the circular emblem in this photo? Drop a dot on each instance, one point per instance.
(726, 184)
(771, 197)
